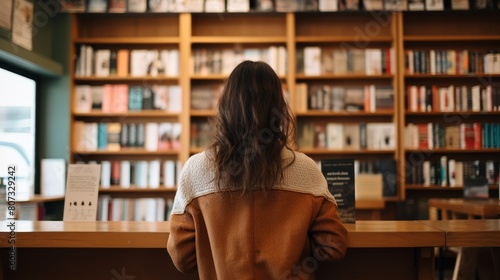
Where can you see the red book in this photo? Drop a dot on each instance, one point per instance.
(478, 140)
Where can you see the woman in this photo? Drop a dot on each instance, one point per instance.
(250, 207)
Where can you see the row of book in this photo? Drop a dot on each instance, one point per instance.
(205, 97)
(368, 98)
(451, 62)
(133, 209)
(222, 61)
(453, 98)
(448, 172)
(114, 136)
(347, 136)
(140, 173)
(219, 6)
(462, 136)
(126, 62)
(120, 98)
(316, 60)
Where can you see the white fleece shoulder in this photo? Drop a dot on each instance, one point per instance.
(197, 179)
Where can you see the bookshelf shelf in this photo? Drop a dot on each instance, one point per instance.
(318, 113)
(127, 79)
(453, 113)
(129, 152)
(456, 38)
(451, 76)
(128, 41)
(345, 77)
(38, 198)
(238, 40)
(453, 151)
(202, 113)
(340, 39)
(344, 152)
(129, 114)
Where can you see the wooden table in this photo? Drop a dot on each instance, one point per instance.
(487, 208)
(468, 248)
(107, 250)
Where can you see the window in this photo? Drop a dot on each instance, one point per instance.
(17, 130)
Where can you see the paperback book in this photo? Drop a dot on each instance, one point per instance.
(339, 174)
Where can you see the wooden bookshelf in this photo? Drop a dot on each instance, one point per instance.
(190, 33)
(451, 31)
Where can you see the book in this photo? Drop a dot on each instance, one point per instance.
(117, 6)
(475, 181)
(72, 6)
(97, 6)
(434, 5)
(137, 6)
(52, 176)
(339, 175)
(328, 5)
(214, 6)
(83, 99)
(158, 6)
(238, 5)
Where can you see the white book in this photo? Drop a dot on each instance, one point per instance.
(125, 174)
(141, 174)
(151, 209)
(282, 61)
(169, 176)
(154, 174)
(140, 209)
(151, 137)
(137, 6)
(312, 61)
(175, 99)
(452, 172)
(272, 57)
(172, 63)
(334, 136)
(52, 176)
(328, 5)
(83, 99)
(238, 6)
(194, 6)
(139, 60)
(102, 62)
(373, 61)
(426, 171)
(103, 208)
(105, 174)
(430, 136)
(160, 210)
(90, 135)
(214, 6)
(117, 209)
(177, 6)
(476, 98)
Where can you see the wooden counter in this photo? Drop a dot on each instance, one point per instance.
(107, 250)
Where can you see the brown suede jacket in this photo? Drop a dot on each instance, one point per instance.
(282, 233)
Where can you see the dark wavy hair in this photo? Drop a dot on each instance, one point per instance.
(251, 128)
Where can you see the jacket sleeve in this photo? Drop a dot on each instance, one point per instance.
(328, 235)
(181, 242)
